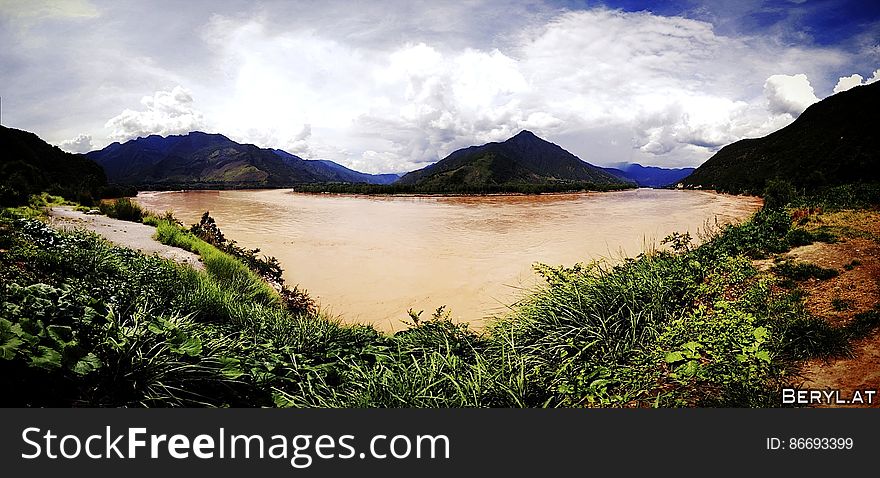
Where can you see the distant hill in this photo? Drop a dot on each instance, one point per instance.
(835, 141)
(649, 176)
(202, 160)
(335, 172)
(29, 165)
(524, 159)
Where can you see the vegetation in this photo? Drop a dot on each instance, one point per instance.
(828, 145)
(846, 196)
(801, 271)
(83, 322)
(123, 208)
(30, 166)
(207, 240)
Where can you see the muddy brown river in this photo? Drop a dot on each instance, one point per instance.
(369, 259)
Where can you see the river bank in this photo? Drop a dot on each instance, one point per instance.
(86, 322)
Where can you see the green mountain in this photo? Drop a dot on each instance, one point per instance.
(202, 160)
(29, 165)
(524, 159)
(835, 141)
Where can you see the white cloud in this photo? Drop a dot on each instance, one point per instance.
(679, 89)
(81, 144)
(849, 82)
(166, 112)
(395, 96)
(36, 9)
(789, 94)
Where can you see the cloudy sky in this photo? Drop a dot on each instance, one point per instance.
(390, 86)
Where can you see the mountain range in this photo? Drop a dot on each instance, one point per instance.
(835, 141)
(524, 159)
(649, 176)
(198, 159)
(329, 171)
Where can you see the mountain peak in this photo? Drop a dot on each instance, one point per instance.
(522, 159)
(525, 134)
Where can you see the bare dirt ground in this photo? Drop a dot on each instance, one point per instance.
(122, 233)
(856, 289)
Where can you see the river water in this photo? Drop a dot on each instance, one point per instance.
(369, 259)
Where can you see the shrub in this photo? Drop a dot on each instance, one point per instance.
(124, 209)
(778, 194)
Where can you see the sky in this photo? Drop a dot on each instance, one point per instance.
(392, 86)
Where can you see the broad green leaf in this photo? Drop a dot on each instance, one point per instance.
(231, 368)
(87, 364)
(191, 347)
(689, 369)
(673, 357)
(763, 355)
(5, 327)
(32, 326)
(9, 347)
(761, 334)
(62, 334)
(46, 358)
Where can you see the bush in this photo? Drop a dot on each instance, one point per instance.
(765, 233)
(124, 209)
(778, 194)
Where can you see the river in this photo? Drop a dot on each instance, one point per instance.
(369, 259)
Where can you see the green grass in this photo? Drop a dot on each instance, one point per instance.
(221, 267)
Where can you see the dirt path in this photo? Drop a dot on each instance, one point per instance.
(856, 289)
(122, 233)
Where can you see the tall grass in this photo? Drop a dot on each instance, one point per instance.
(221, 267)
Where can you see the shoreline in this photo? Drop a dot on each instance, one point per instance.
(443, 195)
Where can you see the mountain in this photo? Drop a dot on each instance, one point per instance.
(524, 159)
(29, 165)
(335, 172)
(649, 176)
(200, 159)
(833, 142)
